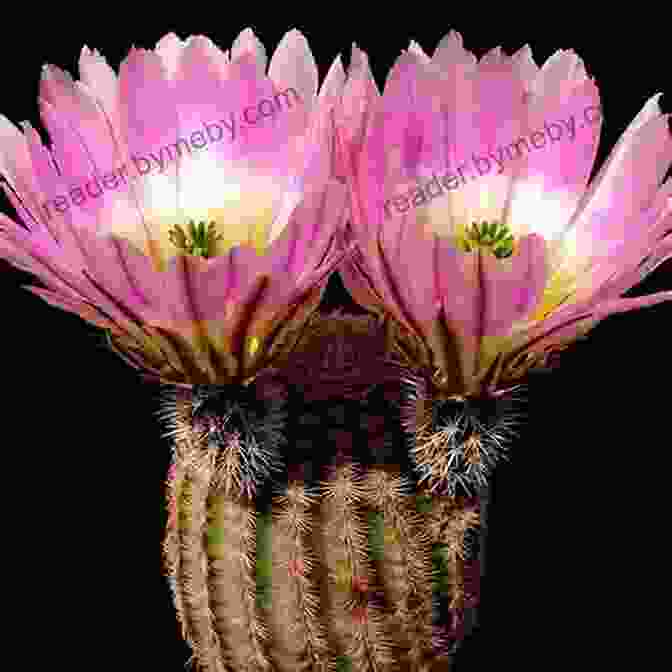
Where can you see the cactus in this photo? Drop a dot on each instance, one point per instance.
(295, 544)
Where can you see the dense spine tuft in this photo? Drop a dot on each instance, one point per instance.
(456, 442)
(224, 416)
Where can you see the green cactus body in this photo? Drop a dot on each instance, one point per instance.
(339, 564)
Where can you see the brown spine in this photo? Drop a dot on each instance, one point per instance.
(298, 640)
(232, 585)
(193, 570)
(449, 519)
(355, 623)
(404, 570)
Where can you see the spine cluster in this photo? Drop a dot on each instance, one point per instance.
(457, 442)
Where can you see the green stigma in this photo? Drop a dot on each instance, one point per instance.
(197, 240)
(492, 236)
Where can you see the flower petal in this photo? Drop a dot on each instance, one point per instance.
(513, 286)
(626, 183)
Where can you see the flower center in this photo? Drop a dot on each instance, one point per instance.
(197, 240)
(491, 236)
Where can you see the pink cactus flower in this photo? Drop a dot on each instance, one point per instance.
(187, 204)
(476, 225)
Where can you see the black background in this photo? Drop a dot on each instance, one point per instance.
(574, 553)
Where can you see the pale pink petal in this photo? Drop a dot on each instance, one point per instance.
(102, 83)
(410, 119)
(150, 124)
(65, 103)
(492, 57)
(450, 53)
(555, 155)
(636, 257)
(294, 75)
(481, 116)
(563, 329)
(557, 74)
(651, 110)
(353, 116)
(512, 287)
(410, 261)
(459, 280)
(52, 187)
(418, 51)
(248, 43)
(69, 154)
(16, 167)
(314, 159)
(525, 66)
(293, 65)
(626, 190)
(169, 49)
(216, 164)
(52, 264)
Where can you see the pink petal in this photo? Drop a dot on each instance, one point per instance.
(616, 273)
(309, 232)
(450, 53)
(148, 114)
(52, 264)
(169, 49)
(459, 279)
(498, 116)
(368, 284)
(409, 256)
(513, 286)
(408, 115)
(102, 83)
(480, 115)
(557, 75)
(559, 145)
(527, 69)
(627, 181)
(354, 114)
(314, 160)
(492, 57)
(563, 329)
(71, 156)
(16, 167)
(70, 109)
(247, 43)
(52, 186)
(150, 123)
(293, 65)
(627, 190)
(415, 49)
